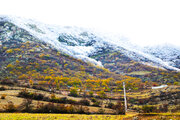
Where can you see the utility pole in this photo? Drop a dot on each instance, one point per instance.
(125, 101)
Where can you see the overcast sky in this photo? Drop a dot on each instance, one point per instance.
(142, 21)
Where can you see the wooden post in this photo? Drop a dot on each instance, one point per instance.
(125, 101)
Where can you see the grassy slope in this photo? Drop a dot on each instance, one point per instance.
(12, 93)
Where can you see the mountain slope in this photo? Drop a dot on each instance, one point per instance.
(167, 52)
(81, 43)
(119, 63)
(32, 50)
(25, 58)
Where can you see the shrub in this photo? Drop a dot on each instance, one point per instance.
(59, 100)
(84, 102)
(70, 109)
(3, 96)
(93, 99)
(60, 108)
(46, 108)
(25, 94)
(91, 93)
(2, 88)
(71, 101)
(176, 109)
(55, 100)
(132, 100)
(110, 105)
(101, 111)
(26, 105)
(73, 92)
(38, 96)
(148, 109)
(163, 108)
(143, 101)
(10, 107)
(102, 94)
(81, 110)
(7, 82)
(119, 108)
(97, 104)
(63, 100)
(53, 96)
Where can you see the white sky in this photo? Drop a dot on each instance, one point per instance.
(142, 21)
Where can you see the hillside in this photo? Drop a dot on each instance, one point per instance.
(167, 52)
(32, 51)
(119, 63)
(73, 66)
(24, 57)
(81, 43)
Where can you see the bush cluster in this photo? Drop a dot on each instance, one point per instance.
(84, 102)
(7, 82)
(73, 92)
(10, 107)
(2, 88)
(25, 94)
(96, 103)
(27, 106)
(38, 96)
(148, 109)
(151, 109)
(61, 108)
(119, 108)
(64, 100)
(110, 105)
(3, 96)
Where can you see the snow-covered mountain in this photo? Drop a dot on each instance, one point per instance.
(167, 52)
(82, 43)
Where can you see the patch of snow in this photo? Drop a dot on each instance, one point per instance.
(158, 87)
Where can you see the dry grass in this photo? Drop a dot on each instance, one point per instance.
(12, 96)
(130, 116)
(26, 116)
(139, 73)
(160, 116)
